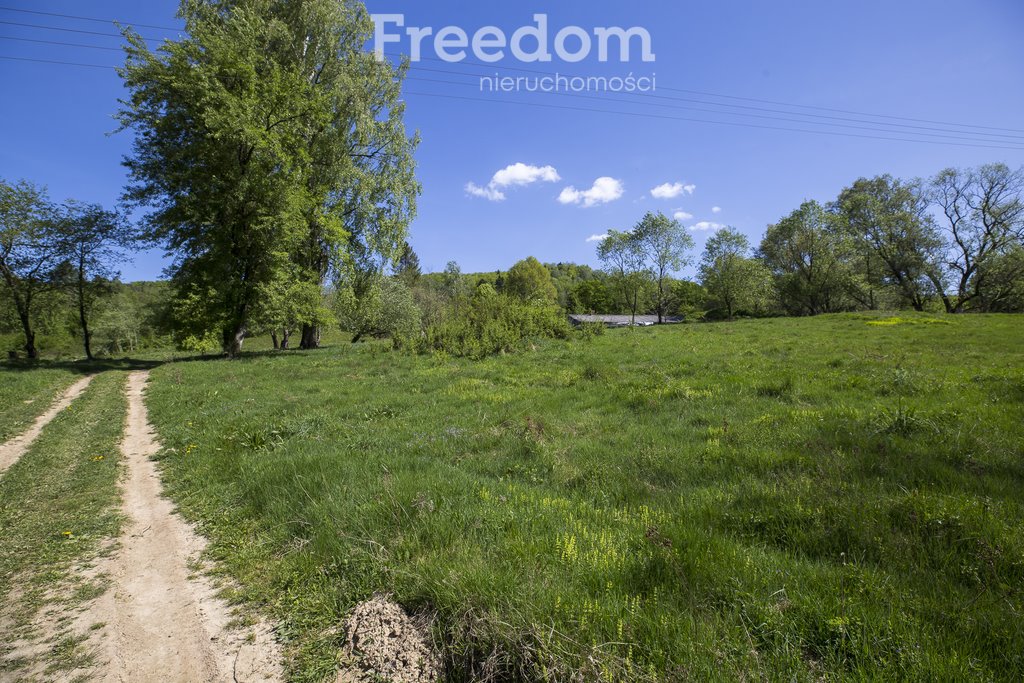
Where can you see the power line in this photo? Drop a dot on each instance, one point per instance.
(525, 70)
(762, 109)
(74, 30)
(757, 116)
(81, 18)
(52, 61)
(873, 126)
(736, 97)
(720, 123)
(610, 111)
(57, 42)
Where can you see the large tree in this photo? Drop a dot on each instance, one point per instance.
(892, 229)
(983, 212)
(728, 273)
(666, 246)
(267, 139)
(809, 255)
(32, 251)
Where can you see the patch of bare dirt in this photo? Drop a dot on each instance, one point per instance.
(384, 643)
(12, 450)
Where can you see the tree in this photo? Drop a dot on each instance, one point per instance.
(983, 210)
(408, 268)
(665, 245)
(452, 283)
(729, 275)
(891, 227)
(266, 139)
(529, 280)
(809, 257)
(591, 296)
(623, 258)
(386, 309)
(92, 236)
(32, 250)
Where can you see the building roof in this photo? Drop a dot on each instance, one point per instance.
(622, 320)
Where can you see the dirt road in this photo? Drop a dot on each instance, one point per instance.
(160, 621)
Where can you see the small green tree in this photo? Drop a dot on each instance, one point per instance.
(385, 309)
(93, 238)
(666, 247)
(32, 252)
(530, 280)
(408, 268)
(730, 276)
(623, 258)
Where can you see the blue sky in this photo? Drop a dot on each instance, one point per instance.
(927, 60)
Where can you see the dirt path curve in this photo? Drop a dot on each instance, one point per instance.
(160, 622)
(12, 450)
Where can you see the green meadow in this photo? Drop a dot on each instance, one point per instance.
(832, 498)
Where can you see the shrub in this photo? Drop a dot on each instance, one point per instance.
(492, 323)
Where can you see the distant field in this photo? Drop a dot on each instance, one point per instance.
(804, 499)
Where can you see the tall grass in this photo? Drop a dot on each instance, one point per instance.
(799, 499)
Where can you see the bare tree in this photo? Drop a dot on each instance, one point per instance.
(984, 218)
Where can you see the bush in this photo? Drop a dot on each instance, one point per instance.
(490, 323)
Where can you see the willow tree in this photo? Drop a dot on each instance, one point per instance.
(267, 140)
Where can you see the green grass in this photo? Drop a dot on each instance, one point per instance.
(773, 499)
(26, 392)
(58, 505)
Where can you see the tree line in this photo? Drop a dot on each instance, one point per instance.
(954, 243)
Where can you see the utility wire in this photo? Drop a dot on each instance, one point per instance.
(57, 42)
(611, 111)
(525, 70)
(75, 30)
(749, 108)
(735, 97)
(719, 123)
(81, 18)
(873, 128)
(872, 125)
(925, 135)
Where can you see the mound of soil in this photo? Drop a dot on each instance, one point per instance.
(384, 643)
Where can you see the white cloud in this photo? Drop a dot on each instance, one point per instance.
(524, 174)
(488, 192)
(605, 190)
(716, 209)
(671, 190)
(513, 175)
(597, 238)
(681, 215)
(706, 225)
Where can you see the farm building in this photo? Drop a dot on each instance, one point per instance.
(622, 320)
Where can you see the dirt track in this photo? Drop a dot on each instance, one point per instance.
(160, 622)
(11, 451)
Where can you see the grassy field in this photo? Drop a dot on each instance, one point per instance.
(838, 497)
(58, 508)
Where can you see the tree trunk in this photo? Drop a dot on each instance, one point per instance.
(273, 340)
(234, 336)
(310, 337)
(82, 318)
(661, 298)
(286, 339)
(30, 338)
